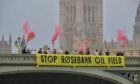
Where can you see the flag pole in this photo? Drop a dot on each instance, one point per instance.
(112, 42)
(105, 45)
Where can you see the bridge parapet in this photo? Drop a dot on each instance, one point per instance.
(17, 59)
(30, 59)
(132, 61)
(14, 61)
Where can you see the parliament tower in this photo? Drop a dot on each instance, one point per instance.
(136, 36)
(81, 20)
(6, 46)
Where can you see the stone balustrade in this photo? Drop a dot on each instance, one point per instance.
(30, 60)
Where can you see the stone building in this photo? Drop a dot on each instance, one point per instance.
(133, 46)
(81, 20)
(6, 46)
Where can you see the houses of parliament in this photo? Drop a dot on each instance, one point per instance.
(6, 46)
(83, 19)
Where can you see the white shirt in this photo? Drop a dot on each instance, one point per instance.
(60, 51)
(96, 53)
(48, 51)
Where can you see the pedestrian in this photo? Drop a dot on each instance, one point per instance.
(67, 52)
(28, 51)
(61, 51)
(24, 50)
(87, 51)
(54, 51)
(118, 53)
(107, 53)
(48, 51)
(122, 54)
(81, 52)
(96, 52)
(40, 51)
(101, 52)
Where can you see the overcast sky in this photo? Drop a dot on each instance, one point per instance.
(42, 15)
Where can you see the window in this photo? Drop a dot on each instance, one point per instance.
(89, 14)
(70, 14)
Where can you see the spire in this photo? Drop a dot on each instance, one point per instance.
(136, 25)
(105, 46)
(10, 38)
(112, 42)
(10, 41)
(138, 9)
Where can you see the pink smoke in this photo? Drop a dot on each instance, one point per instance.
(30, 36)
(26, 28)
(27, 32)
(83, 45)
(56, 34)
(122, 38)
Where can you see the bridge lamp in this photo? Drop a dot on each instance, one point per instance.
(20, 44)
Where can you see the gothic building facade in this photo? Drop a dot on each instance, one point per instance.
(6, 46)
(81, 20)
(132, 46)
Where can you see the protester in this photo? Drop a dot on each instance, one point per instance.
(34, 51)
(119, 53)
(28, 51)
(122, 54)
(48, 51)
(40, 50)
(81, 52)
(101, 52)
(61, 51)
(24, 50)
(67, 52)
(45, 49)
(107, 53)
(87, 51)
(96, 52)
(73, 51)
(54, 51)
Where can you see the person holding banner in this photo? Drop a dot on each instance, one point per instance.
(101, 52)
(61, 51)
(81, 52)
(48, 51)
(74, 52)
(87, 51)
(107, 53)
(96, 52)
(67, 52)
(120, 53)
(54, 51)
(40, 51)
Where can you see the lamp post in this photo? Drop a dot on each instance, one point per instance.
(20, 44)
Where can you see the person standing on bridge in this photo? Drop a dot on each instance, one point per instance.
(87, 51)
(48, 51)
(54, 51)
(107, 53)
(61, 51)
(40, 51)
(24, 50)
(101, 52)
(96, 52)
